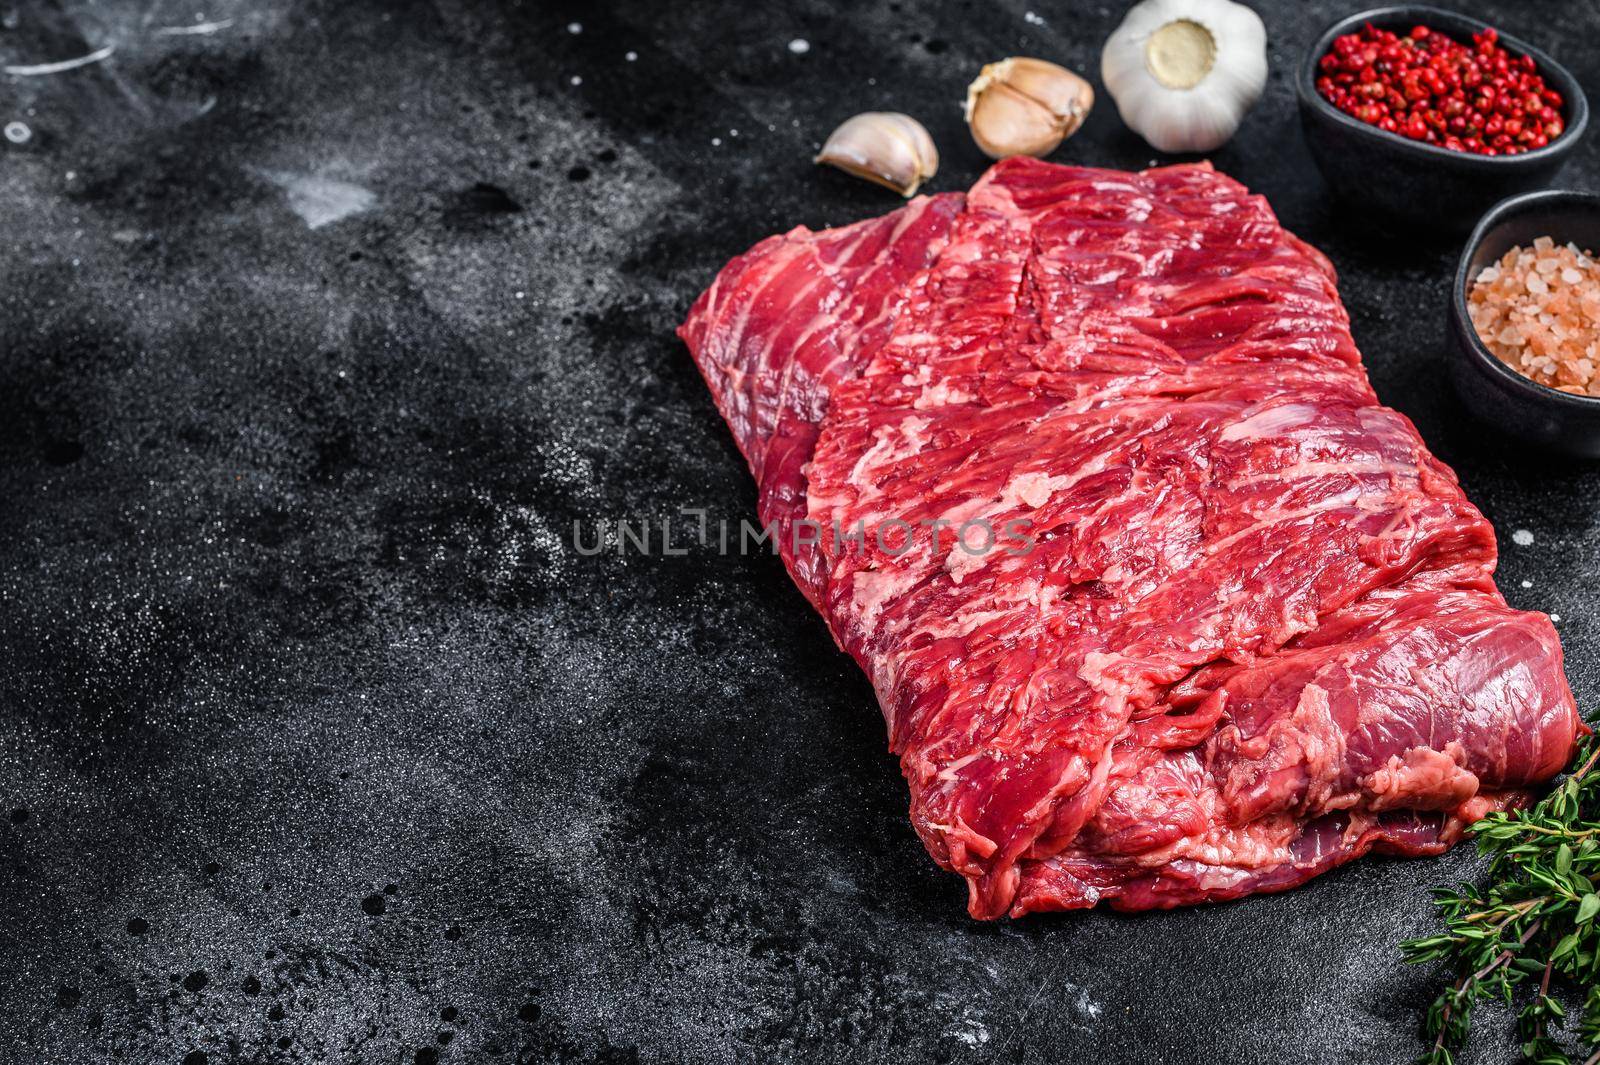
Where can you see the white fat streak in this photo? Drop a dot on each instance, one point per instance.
(1325, 469)
(1343, 499)
(1349, 497)
(734, 327)
(910, 213)
(887, 668)
(871, 590)
(964, 622)
(912, 340)
(961, 563)
(1033, 489)
(844, 251)
(817, 323)
(941, 394)
(829, 272)
(892, 443)
(1270, 422)
(952, 770)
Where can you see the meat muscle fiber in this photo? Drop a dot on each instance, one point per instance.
(1244, 628)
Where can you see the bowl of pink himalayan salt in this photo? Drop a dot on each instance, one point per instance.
(1525, 320)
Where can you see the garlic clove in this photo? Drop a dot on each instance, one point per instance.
(1023, 106)
(1068, 96)
(1006, 122)
(885, 147)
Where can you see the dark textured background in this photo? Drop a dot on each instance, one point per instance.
(317, 740)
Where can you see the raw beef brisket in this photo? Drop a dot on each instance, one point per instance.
(1250, 631)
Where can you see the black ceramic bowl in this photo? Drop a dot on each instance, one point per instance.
(1420, 183)
(1492, 390)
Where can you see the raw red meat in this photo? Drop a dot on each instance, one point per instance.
(1250, 632)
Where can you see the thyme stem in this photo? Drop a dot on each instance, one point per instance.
(1532, 933)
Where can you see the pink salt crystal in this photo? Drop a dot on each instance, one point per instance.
(1537, 310)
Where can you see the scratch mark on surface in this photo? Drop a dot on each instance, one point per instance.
(36, 69)
(1021, 1020)
(198, 29)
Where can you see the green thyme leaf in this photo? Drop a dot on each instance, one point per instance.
(1531, 934)
(1588, 908)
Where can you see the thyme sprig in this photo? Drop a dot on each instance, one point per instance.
(1533, 924)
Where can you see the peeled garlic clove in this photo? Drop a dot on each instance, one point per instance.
(885, 147)
(1022, 106)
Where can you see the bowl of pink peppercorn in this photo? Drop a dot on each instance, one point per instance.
(1430, 117)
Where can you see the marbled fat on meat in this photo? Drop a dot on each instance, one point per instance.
(1253, 631)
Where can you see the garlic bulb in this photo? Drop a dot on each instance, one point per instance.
(885, 147)
(1022, 106)
(1184, 72)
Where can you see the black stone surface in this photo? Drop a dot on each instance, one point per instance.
(318, 740)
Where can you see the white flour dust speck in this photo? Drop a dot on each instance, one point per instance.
(1086, 1006)
(1527, 584)
(968, 1030)
(1555, 619)
(574, 27)
(1031, 19)
(320, 201)
(799, 46)
(1522, 537)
